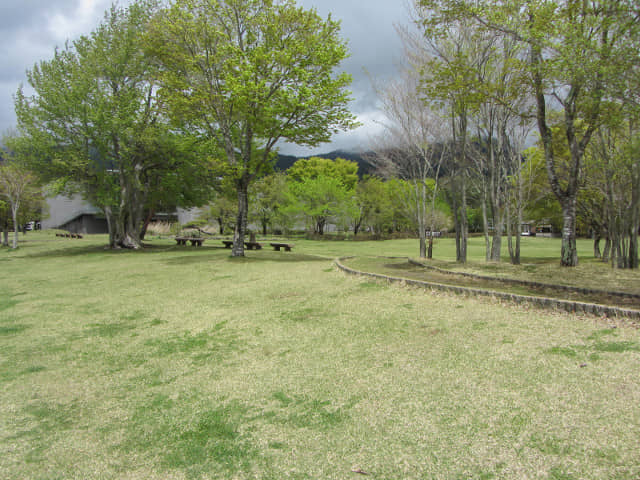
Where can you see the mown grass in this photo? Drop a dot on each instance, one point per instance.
(179, 362)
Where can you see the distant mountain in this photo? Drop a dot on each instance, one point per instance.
(364, 167)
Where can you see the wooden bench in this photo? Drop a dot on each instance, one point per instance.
(253, 245)
(197, 242)
(248, 245)
(69, 235)
(277, 246)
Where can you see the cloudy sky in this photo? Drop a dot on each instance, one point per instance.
(30, 30)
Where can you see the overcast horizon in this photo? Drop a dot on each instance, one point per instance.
(30, 31)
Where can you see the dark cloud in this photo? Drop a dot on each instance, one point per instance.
(375, 50)
(30, 30)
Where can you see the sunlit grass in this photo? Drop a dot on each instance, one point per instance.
(181, 362)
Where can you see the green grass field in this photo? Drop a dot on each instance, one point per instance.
(183, 363)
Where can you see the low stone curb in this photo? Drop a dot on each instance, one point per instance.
(527, 283)
(541, 302)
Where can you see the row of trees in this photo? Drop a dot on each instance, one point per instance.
(481, 76)
(151, 109)
(318, 192)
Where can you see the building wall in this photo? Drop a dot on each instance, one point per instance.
(86, 224)
(63, 210)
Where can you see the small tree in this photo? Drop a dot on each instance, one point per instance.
(412, 149)
(268, 199)
(319, 198)
(17, 184)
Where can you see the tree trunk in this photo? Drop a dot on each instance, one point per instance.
(596, 244)
(512, 254)
(14, 213)
(634, 217)
(607, 249)
(464, 223)
(145, 225)
(241, 219)
(421, 205)
(518, 231)
(485, 227)
(496, 241)
(5, 236)
(569, 251)
(422, 234)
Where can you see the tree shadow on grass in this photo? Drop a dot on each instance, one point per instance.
(249, 258)
(277, 257)
(103, 249)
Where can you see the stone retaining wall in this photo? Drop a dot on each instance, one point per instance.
(541, 302)
(527, 283)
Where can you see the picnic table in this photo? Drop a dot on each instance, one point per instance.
(277, 246)
(248, 245)
(195, 241)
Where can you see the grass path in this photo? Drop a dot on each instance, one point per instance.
(184, 363)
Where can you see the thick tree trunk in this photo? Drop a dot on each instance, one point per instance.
(569, 251)
(422, 234)
(241, 219)
(496, 240)
(145, 225)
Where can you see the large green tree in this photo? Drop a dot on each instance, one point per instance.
(247, 74)
(95, 124)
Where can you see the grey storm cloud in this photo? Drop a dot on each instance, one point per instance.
(30, 30)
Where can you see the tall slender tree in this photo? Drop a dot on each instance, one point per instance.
(576, 53)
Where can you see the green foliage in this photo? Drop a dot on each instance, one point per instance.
(22, 192)
(95, 124)
(247, 74)
(222, 207)
(323, 189)
(319, 198)
(543, 205)
(346, 171)
(268, 202)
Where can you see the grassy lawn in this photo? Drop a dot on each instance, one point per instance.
(181, 363)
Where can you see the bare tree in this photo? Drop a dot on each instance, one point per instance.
(412, 148)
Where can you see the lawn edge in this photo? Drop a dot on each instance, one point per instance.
(540, 302)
